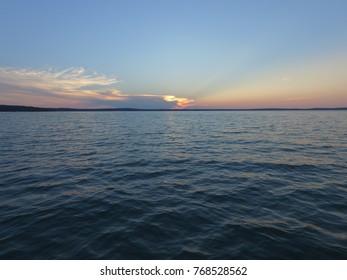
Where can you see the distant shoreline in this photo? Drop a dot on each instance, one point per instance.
(15, 108)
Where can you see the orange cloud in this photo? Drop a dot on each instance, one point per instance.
(181, 102)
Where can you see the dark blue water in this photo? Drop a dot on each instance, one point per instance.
(173, 185)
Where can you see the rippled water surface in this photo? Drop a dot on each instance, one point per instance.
(173, 185)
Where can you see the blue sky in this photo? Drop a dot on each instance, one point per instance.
(213, 53)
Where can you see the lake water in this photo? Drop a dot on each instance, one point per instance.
(173, 185)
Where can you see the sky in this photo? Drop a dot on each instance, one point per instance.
(173, 53)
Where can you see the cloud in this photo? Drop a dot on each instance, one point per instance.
(69, 84)
(74, 87)
(72, 78)
(180, 102)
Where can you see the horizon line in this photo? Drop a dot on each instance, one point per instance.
(24, 108)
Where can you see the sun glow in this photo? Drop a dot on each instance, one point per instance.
(181, 103)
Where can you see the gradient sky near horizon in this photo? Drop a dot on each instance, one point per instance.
(174, 53)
